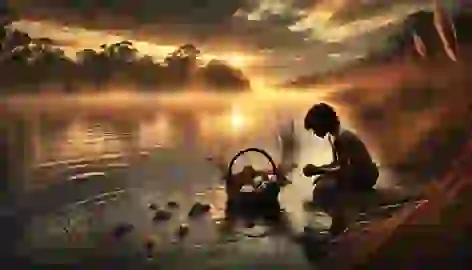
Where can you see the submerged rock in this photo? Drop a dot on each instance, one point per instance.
(249, 224)
(122, 229)
(162, 215)
(149, 246)
(182, 231)
(173, 204)
(198, 209)
(152, 206)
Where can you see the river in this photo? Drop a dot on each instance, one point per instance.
(133, 150)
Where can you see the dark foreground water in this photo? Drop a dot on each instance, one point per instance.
(77, 171)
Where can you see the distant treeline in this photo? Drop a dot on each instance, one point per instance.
(30, 65)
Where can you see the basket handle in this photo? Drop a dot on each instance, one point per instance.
(253, 149)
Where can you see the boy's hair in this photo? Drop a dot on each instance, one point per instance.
(321, 116)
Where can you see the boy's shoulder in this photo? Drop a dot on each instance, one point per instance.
(347, 137)
(347, 134)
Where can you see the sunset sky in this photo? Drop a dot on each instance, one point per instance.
(271, 39)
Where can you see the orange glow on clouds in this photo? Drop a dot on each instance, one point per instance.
(78, 38)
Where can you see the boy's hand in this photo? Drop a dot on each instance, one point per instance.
(311, 170)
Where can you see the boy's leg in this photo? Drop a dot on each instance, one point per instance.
(342, 212)
(349, 207)
(325, 188)
(327, 195)
(338, 224)
(346, 205)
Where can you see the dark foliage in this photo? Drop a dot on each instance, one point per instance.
(34, 65)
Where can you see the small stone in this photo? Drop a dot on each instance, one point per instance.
(149, 247)
(250, 224)
(173, 204)
(231, 239)
(152, 206)
(122, 229)
(199, 209)
(308, 230)
(183, 231)
(162, 215)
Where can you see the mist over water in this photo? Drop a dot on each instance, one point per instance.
(75, 155)
(150, 148)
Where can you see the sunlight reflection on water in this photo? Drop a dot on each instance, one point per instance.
(98, 138)
(159, 151)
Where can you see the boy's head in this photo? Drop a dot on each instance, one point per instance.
(321, 119)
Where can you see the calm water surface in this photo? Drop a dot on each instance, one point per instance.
(131, 154)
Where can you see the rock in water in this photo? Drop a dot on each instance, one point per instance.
(149, 247)
(122, 229)
(162, 215)
(183, 231)
(172, 204)
(249, 224)
(198, 209)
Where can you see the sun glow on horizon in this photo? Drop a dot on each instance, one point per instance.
(74, 39)
(239, 60)
(237, 119)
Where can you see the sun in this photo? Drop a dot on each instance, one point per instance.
(237, 60)
(237, 119)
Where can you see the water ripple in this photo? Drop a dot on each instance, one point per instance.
(85, 176)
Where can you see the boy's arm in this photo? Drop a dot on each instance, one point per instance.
(312, 170)
(333, 167)
(338, 161)
(335, 164)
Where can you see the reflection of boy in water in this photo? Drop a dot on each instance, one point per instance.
(352, 170)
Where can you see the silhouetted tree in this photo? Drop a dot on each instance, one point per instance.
(5, 20)
(149, 74)
(29, 63)
(219, 75)
(94, 67)
(3, 34)
(121, 52)
(462, 22)
(182, 64)
(16, 38)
